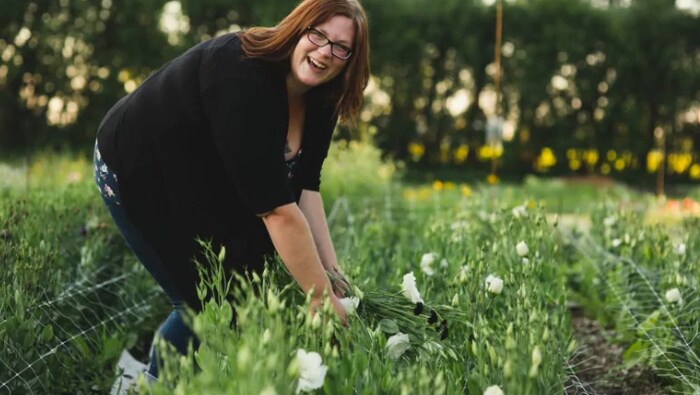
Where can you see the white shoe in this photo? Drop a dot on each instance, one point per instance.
(129, 370)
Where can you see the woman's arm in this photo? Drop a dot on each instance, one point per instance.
(291, 236)
(311, 204)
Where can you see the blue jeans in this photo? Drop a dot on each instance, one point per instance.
(173, 329)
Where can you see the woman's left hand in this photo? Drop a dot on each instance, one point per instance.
(340, 284)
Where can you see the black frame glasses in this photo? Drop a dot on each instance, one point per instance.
(321, 40)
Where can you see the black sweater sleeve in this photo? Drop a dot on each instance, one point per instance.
(248, 116)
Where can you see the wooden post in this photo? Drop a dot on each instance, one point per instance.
(497, 76)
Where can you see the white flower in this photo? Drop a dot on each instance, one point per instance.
(444, 263)
(426, 261)
(397, 344)
(519, 211)
(494, 284)
(409, 288)
(616, 243)
(609, 221)
(494, 390)
(459, 225)
(350, 304)
(525, 261)
(521, 249)
(679, 249)
(311, 370)
(673, 295)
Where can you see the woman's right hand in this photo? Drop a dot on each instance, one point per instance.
(317, 305)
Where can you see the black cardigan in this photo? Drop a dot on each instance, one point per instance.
(198, 150)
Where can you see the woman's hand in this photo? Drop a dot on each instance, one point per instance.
(341, 285)
(317, 304)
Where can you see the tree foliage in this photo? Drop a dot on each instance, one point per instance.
(574, 76)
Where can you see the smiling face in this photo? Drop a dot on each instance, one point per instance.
(313, 65)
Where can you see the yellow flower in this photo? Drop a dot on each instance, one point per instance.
(619, 165)
(654, 159)
(485, 153)
(410, 194)
(437, 185)
(492, 179)
(547, 157)
(461, 153)
(694, 172)
(591, 157)
(545, 160)
(416, 150)
(466, 191)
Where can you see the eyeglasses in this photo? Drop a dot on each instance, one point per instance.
(319, 39)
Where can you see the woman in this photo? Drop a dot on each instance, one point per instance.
(226, 143)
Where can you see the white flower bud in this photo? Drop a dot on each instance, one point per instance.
(609, 221)
(519, 211)
(533, 371)
(521, 249)
(673, 295)
(494, 284)
(679, 249)
(316, 321)
(243, 357)
(507, 368)
(273, 302)
(536, 356)
(426, 263)
(269, 390)
(494, 390)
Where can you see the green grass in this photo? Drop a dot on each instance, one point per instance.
(73, 296)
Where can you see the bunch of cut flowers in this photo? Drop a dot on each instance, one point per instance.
(403, 316)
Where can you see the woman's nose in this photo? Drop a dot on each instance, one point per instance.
(326, 50)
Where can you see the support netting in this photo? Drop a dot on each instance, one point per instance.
(67, 336)
(642, 288)
(68, 342)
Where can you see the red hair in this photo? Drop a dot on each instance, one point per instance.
(277, 44)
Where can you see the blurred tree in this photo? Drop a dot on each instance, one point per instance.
(657, 69)
(65, 62)
(575, 74)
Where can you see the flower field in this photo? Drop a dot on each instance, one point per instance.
(472, 293)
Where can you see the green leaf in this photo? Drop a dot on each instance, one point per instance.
(636, 353)
(81, 346)
(47, 333)
(388, 326)
(225, 313)
(650, 323)
(111, 349)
